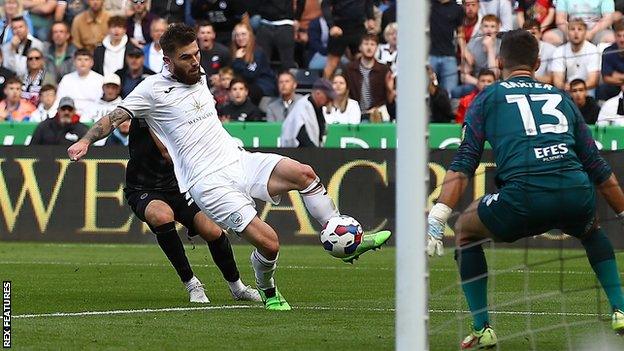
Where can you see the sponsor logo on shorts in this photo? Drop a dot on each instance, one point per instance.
(489, 198)
(143, 196)
(236, 218)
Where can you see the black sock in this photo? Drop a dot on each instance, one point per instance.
(170, 243)
(269, 292)
(222, 254)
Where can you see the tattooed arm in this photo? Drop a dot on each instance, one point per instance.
(101, 129)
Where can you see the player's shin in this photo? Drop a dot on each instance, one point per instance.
(473, 272)
(602, 259)
(318, 203)
(170, 243)
(221, 251)
(264, 269)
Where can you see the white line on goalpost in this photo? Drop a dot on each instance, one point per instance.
(411, 174)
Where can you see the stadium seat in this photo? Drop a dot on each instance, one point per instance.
(305, 78)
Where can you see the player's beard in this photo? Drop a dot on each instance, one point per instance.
(189, 78)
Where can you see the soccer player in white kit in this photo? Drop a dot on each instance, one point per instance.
(210, 167)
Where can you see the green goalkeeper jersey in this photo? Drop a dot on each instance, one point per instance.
(537, 134)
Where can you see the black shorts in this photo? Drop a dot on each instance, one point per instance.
(350, 38)
(184, 210)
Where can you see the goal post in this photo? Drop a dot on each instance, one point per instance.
(411, 178)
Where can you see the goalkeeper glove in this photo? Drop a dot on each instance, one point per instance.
(436, 221)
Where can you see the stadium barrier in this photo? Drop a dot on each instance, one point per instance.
(364, 136)
(45, 197)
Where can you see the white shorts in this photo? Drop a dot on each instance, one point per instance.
(226, 196)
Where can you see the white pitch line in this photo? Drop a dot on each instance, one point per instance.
(527, 313)
(130, 264)
(183, 309)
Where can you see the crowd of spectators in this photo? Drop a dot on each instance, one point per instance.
(581, 46)
(68, 62)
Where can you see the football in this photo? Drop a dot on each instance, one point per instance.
(341, 236)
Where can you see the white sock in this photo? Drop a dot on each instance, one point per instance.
(263, 268)
(194, 281)
(318, 203)
(236, 286)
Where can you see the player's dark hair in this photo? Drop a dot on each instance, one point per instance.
(530, 23)
(83, 52)
(576, 82)
(237, 80)
(519, 49)
(486, 72)
(177, 36)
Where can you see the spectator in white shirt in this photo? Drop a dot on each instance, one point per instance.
(577, 59)
(546, 51)
(342, 110)
(387, 53)
(83, 85)
(153, 52)
(111, 88)
(14, 51)
(47, 104)
(612, 112)
(109, 56)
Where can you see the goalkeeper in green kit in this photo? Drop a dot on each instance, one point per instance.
(548, 168)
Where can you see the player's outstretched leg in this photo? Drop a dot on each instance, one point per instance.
(264, 262)
(160, 218)
(470, 233)
(289, 175)
(221, 252)
(602, 259)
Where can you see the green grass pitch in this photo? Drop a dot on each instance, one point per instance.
(336, 306)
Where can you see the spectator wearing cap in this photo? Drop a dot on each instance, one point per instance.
(64, 129)
(368, 79)
(252, 63)
(279, 108)
(305, 124)
(240, 108)
(60, 53)
(152, 51)
(83, 85)
(47, 104)
(36, 77)
(110, 55)
(14, 51)
(139, 22)
(13, 108)
(111, 90)
(91, 26)
(134, 72)
(214, 55)
(5, 74)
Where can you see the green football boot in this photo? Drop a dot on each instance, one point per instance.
(617, 322)
(274, 303)
(480, 339)
(369, 242)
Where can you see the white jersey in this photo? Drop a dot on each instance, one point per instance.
(184, 119)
